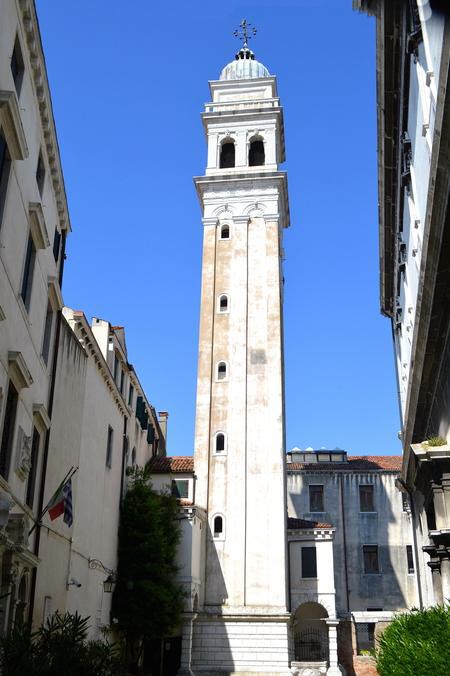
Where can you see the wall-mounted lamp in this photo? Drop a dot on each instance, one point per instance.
(108, 584)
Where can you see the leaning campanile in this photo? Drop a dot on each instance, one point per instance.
(242, 617)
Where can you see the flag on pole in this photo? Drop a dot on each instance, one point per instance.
(61, 503)
(68, 515)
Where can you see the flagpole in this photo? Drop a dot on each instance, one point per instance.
(68, 476)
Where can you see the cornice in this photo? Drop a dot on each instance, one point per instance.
(42, 90)
(92, 349)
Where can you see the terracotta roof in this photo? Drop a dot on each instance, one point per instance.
(299, 524)
(171, 464)
(391, 463)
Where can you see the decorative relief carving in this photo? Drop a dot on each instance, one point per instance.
(23, 455)
(6, 502)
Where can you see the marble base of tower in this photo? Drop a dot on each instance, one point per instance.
(244, 643)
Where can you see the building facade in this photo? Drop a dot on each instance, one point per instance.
(34, 223)
(374, 553)
(353, 559)
(103, 425)
(413, 99)
(242, 621)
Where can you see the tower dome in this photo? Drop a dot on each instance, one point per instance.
(244, 67)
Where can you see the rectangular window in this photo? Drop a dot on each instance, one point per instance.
(116, 368)
(27, 281)
(316, 498)
(17, 66)
(9, 422)
(109, 446)
(56, 244)
(309, 562)
(370, 554)
(40, 173)
(122, 380)
(409, 558)
(366, 498)
(47, 333)
(130, 395)
(180, 488)
(33, 468)
(5, 166)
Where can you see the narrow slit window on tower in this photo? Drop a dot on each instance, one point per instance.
(220, 442)
(221, 370)
(218, 526)
(225, 232)
(227, 155)
(223, 303)
(256, 154)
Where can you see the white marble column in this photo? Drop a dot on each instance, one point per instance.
(186, 644)
(333, 665)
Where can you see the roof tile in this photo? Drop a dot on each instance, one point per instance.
(300, 524)
(391, 463)
(171, 464)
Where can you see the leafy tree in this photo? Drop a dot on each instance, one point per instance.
(147, 602)
(417, 642)
(59, 647)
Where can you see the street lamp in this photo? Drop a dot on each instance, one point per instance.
(108, 584)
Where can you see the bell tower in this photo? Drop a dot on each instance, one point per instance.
(242, 621)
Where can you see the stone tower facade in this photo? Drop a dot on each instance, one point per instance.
(242, 618)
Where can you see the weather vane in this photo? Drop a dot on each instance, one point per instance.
(248, 31)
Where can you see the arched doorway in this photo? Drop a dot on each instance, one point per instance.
(311, 633)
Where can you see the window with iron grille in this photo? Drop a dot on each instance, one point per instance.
(371, 563)
(410, 558)
(366, 503)
(316, 498)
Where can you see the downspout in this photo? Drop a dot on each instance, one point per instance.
(37, 537)
(404, 488)
(344, 542)
(124, 452)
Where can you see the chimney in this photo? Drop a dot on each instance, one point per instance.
(162, 419)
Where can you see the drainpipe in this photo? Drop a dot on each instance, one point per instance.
(344, 541)
(403, 488)
(124, 457)
(37, 537)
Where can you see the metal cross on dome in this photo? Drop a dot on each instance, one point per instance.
(248, 31)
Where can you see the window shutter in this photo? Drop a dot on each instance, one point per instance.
(139, 407)
(150, 434)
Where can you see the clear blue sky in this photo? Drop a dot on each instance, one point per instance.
(128, 83)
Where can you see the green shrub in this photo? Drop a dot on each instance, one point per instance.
(416, 643)
(436, 441)
(58, 648)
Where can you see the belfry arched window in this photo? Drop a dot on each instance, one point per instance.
(256, 153)
(219, 443)
(223, 303)
(225, 232)
(218, 526)
(227, 155)
(221, 370)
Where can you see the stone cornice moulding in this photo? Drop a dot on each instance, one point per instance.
(40, 81)
(54, 293)
(41, 416)
(12, 125)
(37, 225)
(18, 369)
